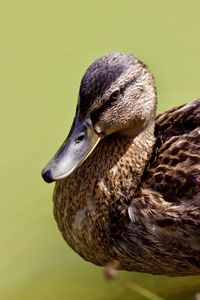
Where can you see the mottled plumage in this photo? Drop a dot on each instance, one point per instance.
(132, 194)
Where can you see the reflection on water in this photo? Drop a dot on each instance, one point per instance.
(45, 48)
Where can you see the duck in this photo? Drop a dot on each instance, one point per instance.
(127, 182)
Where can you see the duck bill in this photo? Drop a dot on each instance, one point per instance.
(80, 142)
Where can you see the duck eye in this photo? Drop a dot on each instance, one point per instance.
(80, 138)
(114, 95)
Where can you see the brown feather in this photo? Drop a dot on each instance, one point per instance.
(136, 199)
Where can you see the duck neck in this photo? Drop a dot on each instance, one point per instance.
(120, 163)
(109, 178)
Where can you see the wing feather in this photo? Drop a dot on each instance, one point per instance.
(174, 170)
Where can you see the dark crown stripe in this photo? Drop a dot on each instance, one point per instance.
(100, 76)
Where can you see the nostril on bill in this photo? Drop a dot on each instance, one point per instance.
(47, 176)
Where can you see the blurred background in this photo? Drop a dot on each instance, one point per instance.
(45, 47)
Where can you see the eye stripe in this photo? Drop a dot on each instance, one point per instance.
(95, 115)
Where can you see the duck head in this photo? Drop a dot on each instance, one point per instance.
(117, 95)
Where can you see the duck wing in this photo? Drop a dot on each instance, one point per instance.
(174, 169)
(158, 232)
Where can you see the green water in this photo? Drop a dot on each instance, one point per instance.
(45, 47)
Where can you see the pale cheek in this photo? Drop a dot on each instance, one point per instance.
(138, 92)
